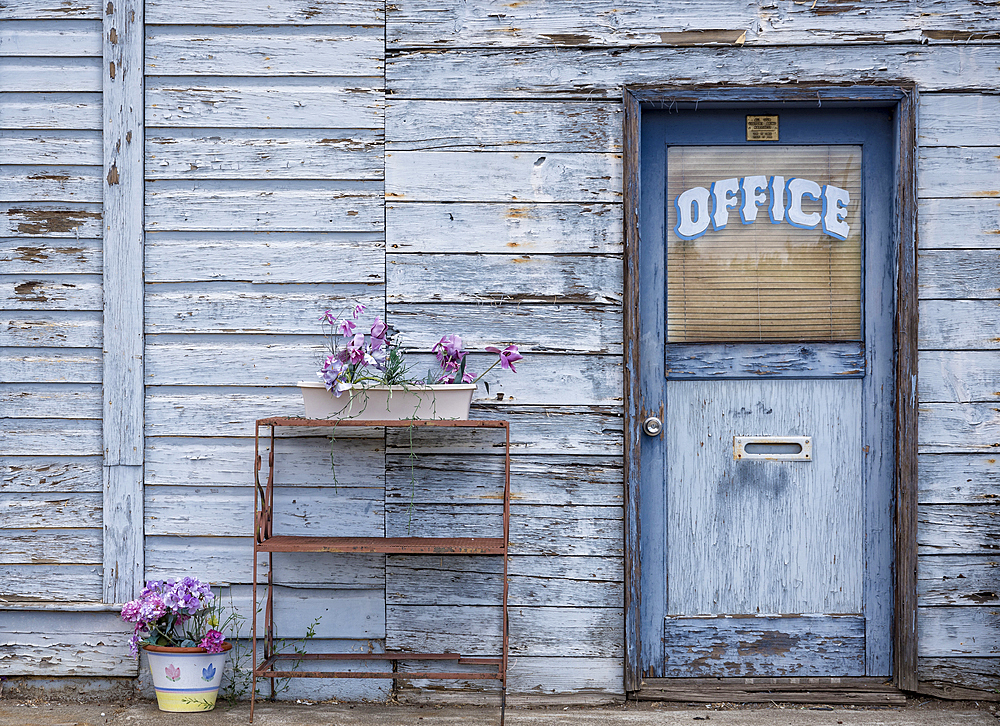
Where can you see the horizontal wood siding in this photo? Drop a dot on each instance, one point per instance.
(51, 298)
(959, 507)
(264, 203)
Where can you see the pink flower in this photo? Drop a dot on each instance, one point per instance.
(508, 356)
(172, 672)
(212, 642)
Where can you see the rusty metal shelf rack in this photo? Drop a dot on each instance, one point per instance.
(266, 542)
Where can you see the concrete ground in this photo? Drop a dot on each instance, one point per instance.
(918, 712)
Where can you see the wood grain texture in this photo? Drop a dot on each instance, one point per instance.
(798, 646)
(81, 76)
(263, 154)
(50, 256)
(51, 146)
(262, 206)
(959, 427)
(593, 74)
(958, 325)
(503, 279)
(47, 437)
(504, 228)
(249, 102)
(51, 220)
(50, 474)
(66, 38)
(959, 479)
(72, 329)
(959, 376)
(463, 176)
(52, 547)
(959, 678)
(969, 529)
(74, 510)
(45, 183)
(432, 23)
(53, 401)
(262, 51)
(962, 580)
(51, 583)
(847, 691)
(958, 119)
(958, 172)
(958, 274)
(51, 292)
(980, 223)
(51, 365)
(43, 9)
(41, 643)
(958, 631)
(277, 12)
(593, 127)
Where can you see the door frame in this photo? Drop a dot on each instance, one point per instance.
(902, 99)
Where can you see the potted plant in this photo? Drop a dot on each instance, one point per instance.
(372, 370)
(178, 626)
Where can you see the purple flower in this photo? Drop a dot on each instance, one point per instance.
(356, 349)
(379, 329)
(346, 328)
(212, 642)
(508, 356)
(449, 349)
(358, 309)
(328, 317)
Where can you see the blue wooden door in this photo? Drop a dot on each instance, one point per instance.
(767, 376)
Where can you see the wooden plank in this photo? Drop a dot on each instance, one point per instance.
(63, 643)
(207, 412)
(469, 629)
(72, 329)
(581, 582)
(249, 102)
(351, 614)
(51, 146)
(950, 274)
(959, 479)
(48, 400)
(505, 228)
(970, 529)
(123, 300)
(262, 206)
(980, 223)
(78, 76)
(958, 119)
(225, 512)
(222, 560)
(51, 292)
(50, 474)
(555, 380)
(263, 154)
(548, 480)
(959, 678)
(273, 257)
(51, 365)
(50, 256)
(959, 631)
(959, 427)
(847, 691)
(501, 176)
(959, 376)
(277, 12)
(504, 279)
(961, 580)
(566, 632)
(593, 74)
(47, 10)
(46, 437)
(199, 50)
(803, 645)
(52, 547)
(431, 23)
(258, 310)
(51, 220)
(72, 583)
(66, 38)
(959, 324)
(980, 168)
(51, 511)
(593, 127)
(50, 183)
(568, 328)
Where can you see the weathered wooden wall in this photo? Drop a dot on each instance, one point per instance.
(459, 166)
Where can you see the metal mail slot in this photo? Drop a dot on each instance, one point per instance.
(773, 448)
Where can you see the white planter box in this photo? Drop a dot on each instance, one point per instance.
(389, 403)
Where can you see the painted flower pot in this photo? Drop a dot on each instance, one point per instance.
(389, 403)
(186, 679)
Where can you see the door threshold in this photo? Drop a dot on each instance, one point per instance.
(840, 691)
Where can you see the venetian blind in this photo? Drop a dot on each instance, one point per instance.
(753, 269)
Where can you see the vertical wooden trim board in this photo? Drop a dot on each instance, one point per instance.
(123, 299)
(903, 98)
(905, 635)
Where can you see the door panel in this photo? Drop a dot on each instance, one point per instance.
(766, 566)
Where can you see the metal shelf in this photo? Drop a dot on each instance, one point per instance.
(268, 543)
